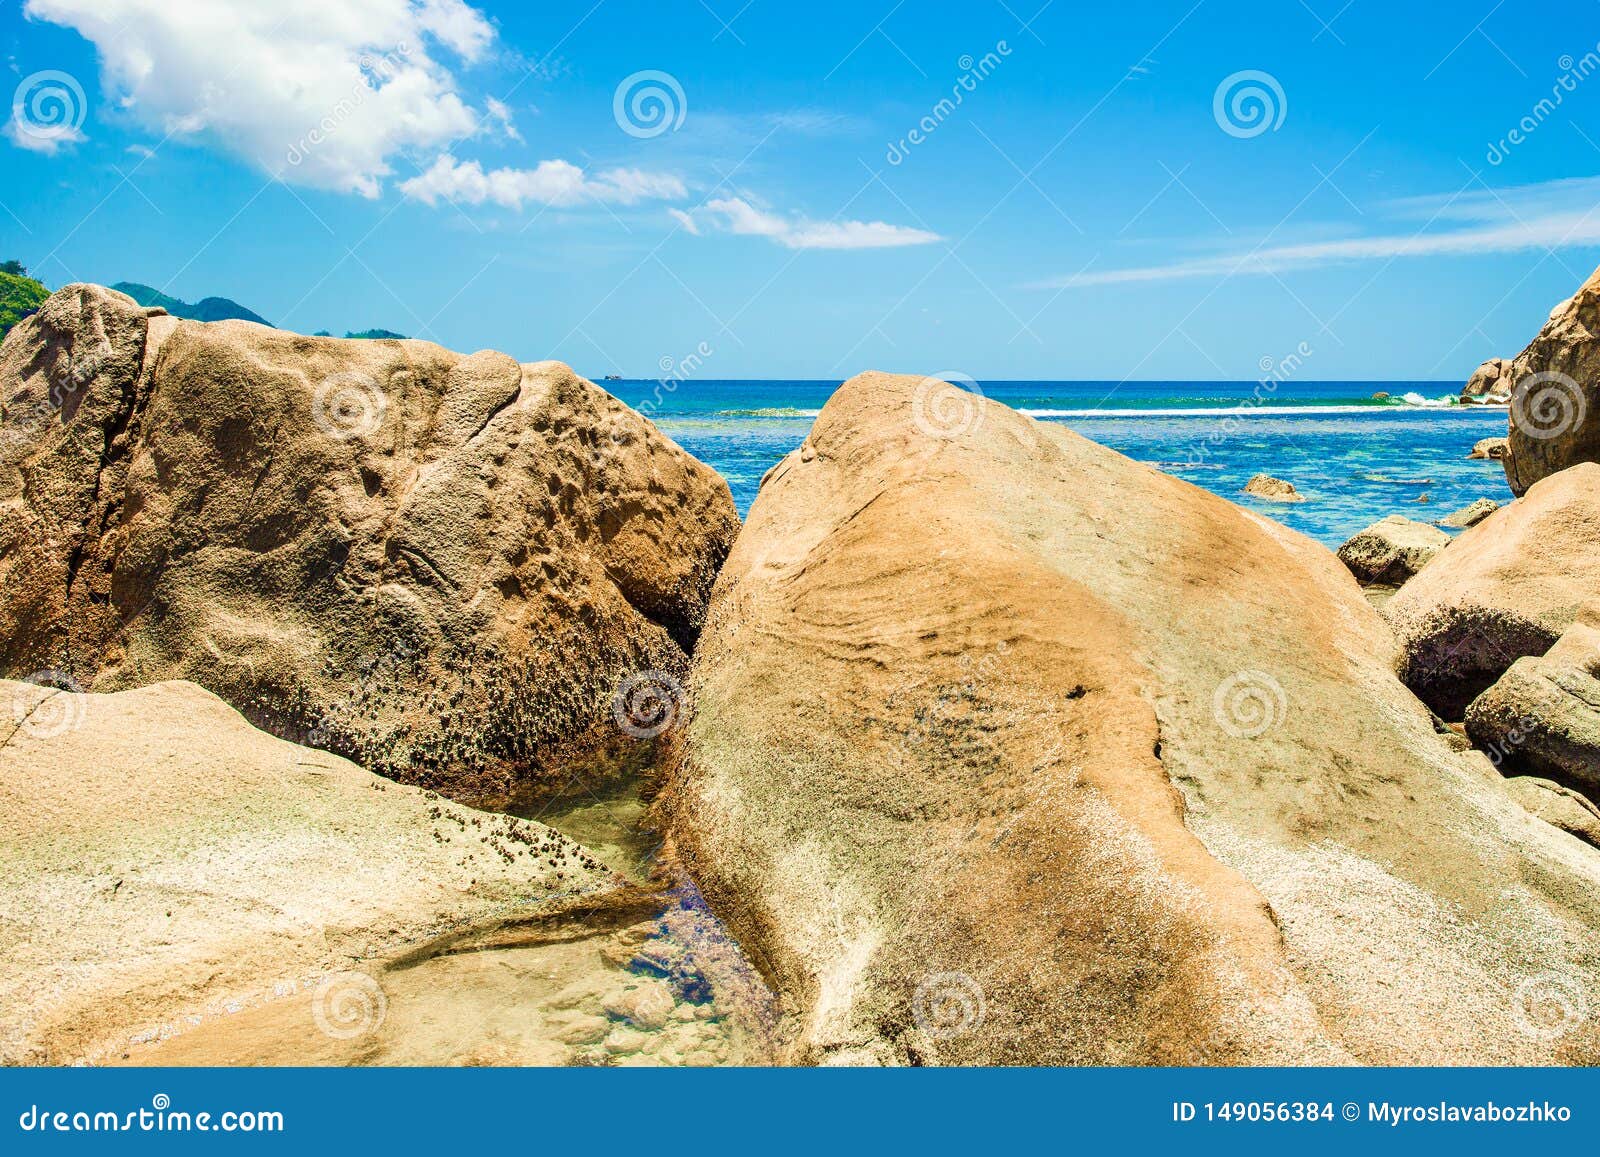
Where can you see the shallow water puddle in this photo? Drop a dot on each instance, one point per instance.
(644, 977)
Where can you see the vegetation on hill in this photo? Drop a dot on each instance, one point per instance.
(206, 309)
(377, 333)
(20, 295)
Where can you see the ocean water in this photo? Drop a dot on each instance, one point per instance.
(1355, 458)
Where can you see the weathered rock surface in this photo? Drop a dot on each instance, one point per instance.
(1005, 748)
(1471, 514)
(1490, 383)
(165, 860)
(1542, 717)
(1273, 489)
(1555, 406)
(437, 565)
(1489, 449)
(1506, 588)
(1392, 550)
(1558, 806)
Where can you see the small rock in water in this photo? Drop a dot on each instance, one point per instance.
(626, 1040)
(1471, 514)
(1273, 489)
(1389, 552)
(1493, 449)
(648, 1006)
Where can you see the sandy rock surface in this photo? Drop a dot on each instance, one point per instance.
(167, 862)
(1008, 749)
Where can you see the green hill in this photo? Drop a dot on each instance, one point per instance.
(20, 295)
(206, 309)
(377, 333)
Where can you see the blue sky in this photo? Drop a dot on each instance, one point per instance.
(1095, 206)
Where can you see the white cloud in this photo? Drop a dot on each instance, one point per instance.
(686, 221)
(49, 141)
(317, 92)
(1555, 215)
(736, 215)
(502, 115)
(556, 183)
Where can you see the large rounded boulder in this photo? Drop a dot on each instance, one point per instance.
(1004, 748)
(1506, 588)
(1555, 394)
(438, 565)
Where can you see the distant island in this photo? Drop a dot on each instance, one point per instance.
(206, 309)
(21, 295)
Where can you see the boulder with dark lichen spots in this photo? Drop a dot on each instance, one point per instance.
(1392, 550)
(437, 565)
(1506, 588)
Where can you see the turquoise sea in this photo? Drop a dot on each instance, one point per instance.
(1355, 458)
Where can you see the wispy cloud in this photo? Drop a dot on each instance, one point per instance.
(556, 183)
(736, 215)
(49, 142)
(1561, 214)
